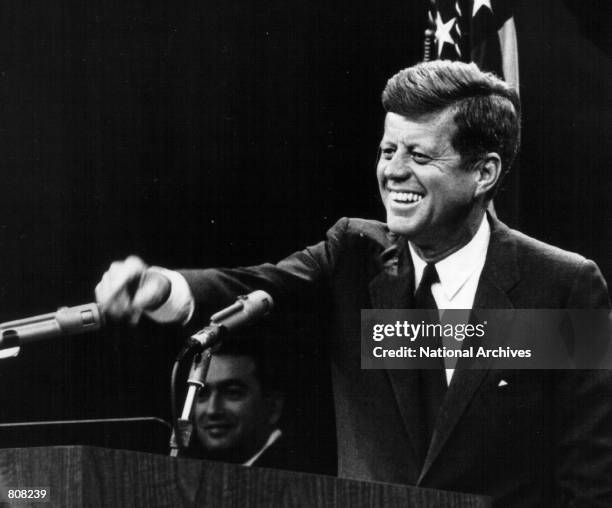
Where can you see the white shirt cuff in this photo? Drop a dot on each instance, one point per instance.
(180, 305)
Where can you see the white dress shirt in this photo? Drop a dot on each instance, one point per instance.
(459, 274)
(180, 305)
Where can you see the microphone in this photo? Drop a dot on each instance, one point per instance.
(246, 309)
(66, 321)
(88, 318)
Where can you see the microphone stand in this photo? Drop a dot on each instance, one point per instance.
(183, 426)
(246, 308)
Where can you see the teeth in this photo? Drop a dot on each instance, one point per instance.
(405, 197)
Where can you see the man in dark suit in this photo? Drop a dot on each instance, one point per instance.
(527, 438)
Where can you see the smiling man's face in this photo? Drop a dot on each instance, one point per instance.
(429, 197)
(233, 417)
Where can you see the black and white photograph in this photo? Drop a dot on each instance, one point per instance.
(312, 254)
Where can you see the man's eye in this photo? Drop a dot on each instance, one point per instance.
(419, 158)
(387, 153)
(234, 393)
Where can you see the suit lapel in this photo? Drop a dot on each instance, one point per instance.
(499, 275)
(393, 288)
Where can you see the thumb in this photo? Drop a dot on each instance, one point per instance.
(153, 291)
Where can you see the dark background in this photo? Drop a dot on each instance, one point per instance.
(223, 133)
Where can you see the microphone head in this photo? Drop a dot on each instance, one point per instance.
(246, 309)
(258, 302)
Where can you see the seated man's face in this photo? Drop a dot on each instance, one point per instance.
(233, 417)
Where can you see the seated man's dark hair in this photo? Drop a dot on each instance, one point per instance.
(260, 343)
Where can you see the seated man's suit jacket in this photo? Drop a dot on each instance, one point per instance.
(542, 438)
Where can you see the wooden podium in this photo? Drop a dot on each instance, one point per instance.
(80, 476)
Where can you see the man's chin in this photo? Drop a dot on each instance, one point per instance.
(219, 443)
(401, 226)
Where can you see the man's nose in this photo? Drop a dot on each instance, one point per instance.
(214, 404)
(397, 168)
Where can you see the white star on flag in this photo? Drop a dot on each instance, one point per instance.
(481, 3)
(443, 32)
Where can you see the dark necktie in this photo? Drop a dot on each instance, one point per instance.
(433, 382)
(423, 298)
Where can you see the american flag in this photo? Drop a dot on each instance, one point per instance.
(480, 31)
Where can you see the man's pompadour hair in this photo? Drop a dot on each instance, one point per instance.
(486, 109)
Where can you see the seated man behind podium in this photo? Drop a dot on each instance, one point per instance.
(525, 438)
(238, 411)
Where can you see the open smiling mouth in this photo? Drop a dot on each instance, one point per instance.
(216, 430)
(407, 198)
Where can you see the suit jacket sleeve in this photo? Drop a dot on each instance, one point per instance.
(295, 282)
(583, 474)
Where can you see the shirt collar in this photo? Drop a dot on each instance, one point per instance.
(456, 269)
(274, 435)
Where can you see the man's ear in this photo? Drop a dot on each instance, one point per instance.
(488, 170)
(276, 401)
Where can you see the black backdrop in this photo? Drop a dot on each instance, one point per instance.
(222, 133)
